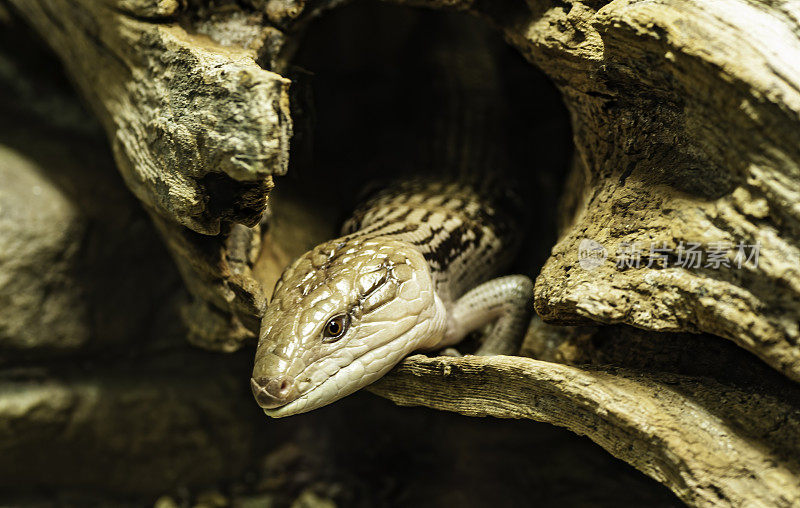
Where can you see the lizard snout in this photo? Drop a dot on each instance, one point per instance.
(272, 393)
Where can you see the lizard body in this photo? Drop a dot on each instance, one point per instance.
(413, 272)
(414, 265)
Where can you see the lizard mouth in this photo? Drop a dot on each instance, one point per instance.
(359, 373)
(344, 382)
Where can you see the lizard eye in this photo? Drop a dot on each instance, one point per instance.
(336, 327)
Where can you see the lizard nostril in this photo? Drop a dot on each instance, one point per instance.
(271, 393)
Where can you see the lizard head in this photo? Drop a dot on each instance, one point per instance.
(341, 316)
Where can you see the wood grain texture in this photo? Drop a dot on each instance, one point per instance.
(710, 443)
(685, 117)
(197, 128)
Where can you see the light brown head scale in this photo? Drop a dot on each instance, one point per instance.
(341, 316)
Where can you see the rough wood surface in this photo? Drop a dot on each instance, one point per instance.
(197, 128)
(686, 120)
(710, 443)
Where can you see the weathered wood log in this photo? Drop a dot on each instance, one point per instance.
(686, 130)
(197, 128)
(706, 422)
(710, 443)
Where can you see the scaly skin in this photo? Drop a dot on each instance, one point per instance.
(412, 271)
(411, 275)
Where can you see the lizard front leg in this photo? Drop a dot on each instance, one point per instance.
(508, 301)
